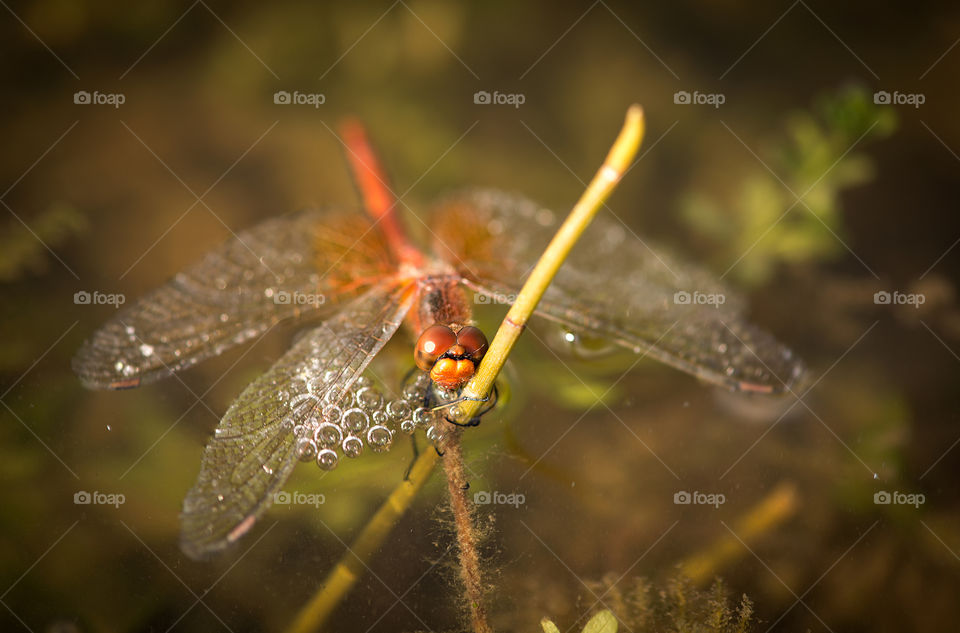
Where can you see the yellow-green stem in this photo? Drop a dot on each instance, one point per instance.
(604, 182)
(354, 561)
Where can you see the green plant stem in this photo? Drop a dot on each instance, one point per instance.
(354, 561)
(604, 182)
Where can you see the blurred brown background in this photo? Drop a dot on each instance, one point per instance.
(105, 198)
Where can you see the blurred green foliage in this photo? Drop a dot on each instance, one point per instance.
(25, 251)
(786, 209)
(677, 605)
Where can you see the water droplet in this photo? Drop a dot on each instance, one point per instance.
(352, 446)
(398, 409)
(332, 413)
(327, 459)
(413, 393)
(328, 434)
(355, 420)
(306, 449)
(379, 438)
(424, 417)
(369, 398)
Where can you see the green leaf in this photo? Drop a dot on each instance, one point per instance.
(602, 622)
(548, 626)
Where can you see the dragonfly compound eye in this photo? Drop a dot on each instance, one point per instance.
(473, 341)
(432, 344)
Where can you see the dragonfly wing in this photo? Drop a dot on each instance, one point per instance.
(614, 286)
(277, 270)
(254, 448)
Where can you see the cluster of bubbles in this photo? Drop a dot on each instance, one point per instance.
(362, 417)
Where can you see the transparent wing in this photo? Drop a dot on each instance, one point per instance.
(268, 428)
(279, 269)
(613, 286)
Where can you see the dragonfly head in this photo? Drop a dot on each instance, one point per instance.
(450, 357)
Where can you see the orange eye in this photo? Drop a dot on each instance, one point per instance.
(473, 341)
(434, 341)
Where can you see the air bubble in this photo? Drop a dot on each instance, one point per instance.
(408, 427)
(398, 409)
(423, 417)
(328, 434)
(306, 449)
(327, 459)
(355, 420)
(362, 381)
(332, 413)
(369, 398)
(434, 434)
(413, 393)
(379, 438)
(352, 446)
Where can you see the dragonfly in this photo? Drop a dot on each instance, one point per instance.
(363, 278)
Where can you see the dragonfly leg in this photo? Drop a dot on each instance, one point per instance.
(491, 401)
(413, 459)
